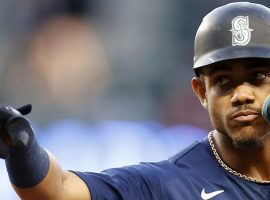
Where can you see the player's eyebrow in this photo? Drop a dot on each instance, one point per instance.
(215, 69)
(258, 64)
(250, 65)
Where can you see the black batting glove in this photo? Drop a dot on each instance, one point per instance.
(16, 132)
(26, 161)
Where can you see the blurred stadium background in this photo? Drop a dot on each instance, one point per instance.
(109, 80)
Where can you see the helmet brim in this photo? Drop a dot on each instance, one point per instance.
(231, 53)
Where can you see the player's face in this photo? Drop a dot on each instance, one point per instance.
(235, 93)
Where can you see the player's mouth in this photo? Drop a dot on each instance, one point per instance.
(245, 116)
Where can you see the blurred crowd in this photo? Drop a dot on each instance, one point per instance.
(109, 80)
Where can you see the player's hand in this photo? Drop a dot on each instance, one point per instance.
(15, 130)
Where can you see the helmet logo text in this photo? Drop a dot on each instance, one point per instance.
(241, 33)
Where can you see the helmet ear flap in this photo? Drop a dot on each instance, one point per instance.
(233, 31)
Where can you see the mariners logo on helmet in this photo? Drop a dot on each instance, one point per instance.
(241, 33)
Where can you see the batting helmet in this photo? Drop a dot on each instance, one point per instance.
(236, 30)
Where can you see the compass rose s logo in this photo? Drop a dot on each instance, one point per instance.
(241, 33)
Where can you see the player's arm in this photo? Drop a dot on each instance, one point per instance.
(57, 185)
(33, 172)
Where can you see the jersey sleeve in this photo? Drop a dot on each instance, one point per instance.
(136, 182)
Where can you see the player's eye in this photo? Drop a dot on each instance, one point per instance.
(260, 75)
(222, 80)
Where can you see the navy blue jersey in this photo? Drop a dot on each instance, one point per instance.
(192, 174)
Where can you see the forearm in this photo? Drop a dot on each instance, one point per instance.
(51, 187)
(57, 185)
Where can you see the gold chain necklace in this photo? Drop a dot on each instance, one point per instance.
(211, 142)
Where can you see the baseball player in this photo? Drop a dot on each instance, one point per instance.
(232, 67)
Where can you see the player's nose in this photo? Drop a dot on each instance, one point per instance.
(243, 94)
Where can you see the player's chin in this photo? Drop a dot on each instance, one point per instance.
(248, 143)
(249, 137)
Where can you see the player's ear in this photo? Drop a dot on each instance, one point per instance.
(198, 87)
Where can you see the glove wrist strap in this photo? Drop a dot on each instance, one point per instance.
(28, 167)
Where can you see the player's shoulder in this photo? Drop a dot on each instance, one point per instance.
(199, 150)
(192, 164)
(191, 157)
